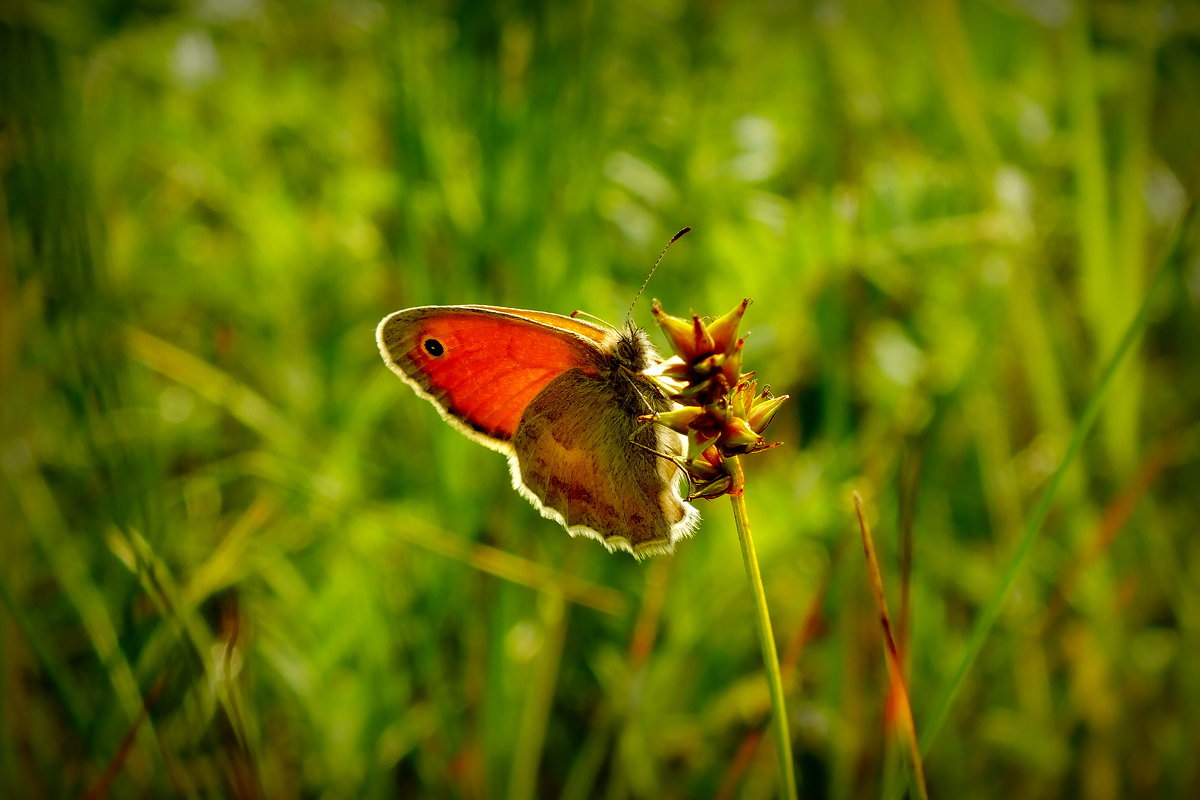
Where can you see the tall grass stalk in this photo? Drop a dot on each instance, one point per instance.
(891, 653)
(779, 719)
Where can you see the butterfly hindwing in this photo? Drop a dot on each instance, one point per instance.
(600, 472)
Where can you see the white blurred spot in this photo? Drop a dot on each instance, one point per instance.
(769, 209)
(640, 178)
(1051, 13)
(175, 404)
(194, 61)
(364, 14)
(1041, 458)
(758, 142)
(1164, 195)
(638, 224)
(227, 10)
(898, 358)
(523, 642)
(846, 202)
(1013, 193)
(813, 721)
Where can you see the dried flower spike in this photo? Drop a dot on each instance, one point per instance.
(718, 407)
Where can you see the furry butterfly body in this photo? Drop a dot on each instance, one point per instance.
(560, 397)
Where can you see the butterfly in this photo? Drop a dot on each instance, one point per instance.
(560, 397)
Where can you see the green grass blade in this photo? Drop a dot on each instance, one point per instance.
(987, 617)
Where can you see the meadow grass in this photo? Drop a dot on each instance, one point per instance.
(239, 558)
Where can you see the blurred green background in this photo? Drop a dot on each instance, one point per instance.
(218, 504)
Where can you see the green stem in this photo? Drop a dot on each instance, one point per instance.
(783, 740)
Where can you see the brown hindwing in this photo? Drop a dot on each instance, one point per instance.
(576, 461)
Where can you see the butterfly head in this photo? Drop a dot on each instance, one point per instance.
(632, 350)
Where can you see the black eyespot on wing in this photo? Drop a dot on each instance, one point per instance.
(433, 347)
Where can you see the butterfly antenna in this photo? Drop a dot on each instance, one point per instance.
(674, 239)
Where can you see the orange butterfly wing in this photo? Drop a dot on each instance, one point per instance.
(600, 336)
(481, 366)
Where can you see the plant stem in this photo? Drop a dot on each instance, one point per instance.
(783, 739)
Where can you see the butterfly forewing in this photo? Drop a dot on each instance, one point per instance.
(480, 366)
(600, 336)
